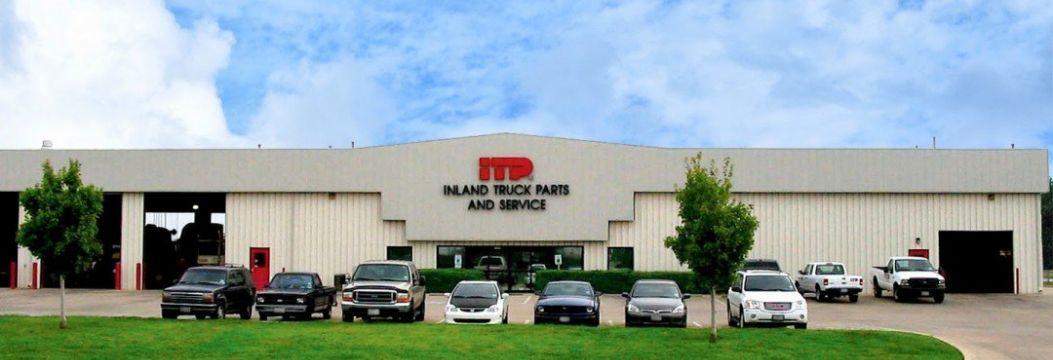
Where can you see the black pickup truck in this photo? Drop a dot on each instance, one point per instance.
(295, 294)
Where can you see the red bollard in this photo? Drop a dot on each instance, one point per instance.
(14, 275)
(117, 276)
(34, 275)
(138, 276)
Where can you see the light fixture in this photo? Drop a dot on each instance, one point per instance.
(195, 206)
(917, 240)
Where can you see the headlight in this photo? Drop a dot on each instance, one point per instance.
(634, 308)
(301, 300)
(209, 297)
(943, 283)
(589, 309)
(904, 282)
(166, 296)
(753, 304)
(802, 304)
(493, 309)
(540, 309)
(403, 298)
(259, 299)
(679, 309)
(451, 308)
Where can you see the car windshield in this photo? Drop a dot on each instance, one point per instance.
(292, 282)
(656, 291)
(381, 272)
(204, 277)
(475, 291)
(762, 265)
(830, 269)
(913, 265)
(568, 289)
(490, 261)
(768, 283)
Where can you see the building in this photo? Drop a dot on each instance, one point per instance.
(522, 201)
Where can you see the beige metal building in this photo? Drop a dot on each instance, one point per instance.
(519, 202)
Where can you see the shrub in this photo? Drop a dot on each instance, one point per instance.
(618, 281)
(443, 280)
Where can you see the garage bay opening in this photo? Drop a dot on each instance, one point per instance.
(101, 273)
(8, 229)
(977, 261)
(513, 267)
(182, 230)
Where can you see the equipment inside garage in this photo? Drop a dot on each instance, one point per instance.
(977, 261)
(8, 230)
(101, 273)
(182, 230)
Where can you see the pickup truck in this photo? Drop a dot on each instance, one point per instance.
(908, 277)
(295, 294)
(829, 280)
(384, 289)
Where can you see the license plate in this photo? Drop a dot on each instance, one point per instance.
(373, 312)
(564, 319)
(844, 290)
(184, 309)
(656, 317)
(924, 293)
(279, 311)
(777, 318)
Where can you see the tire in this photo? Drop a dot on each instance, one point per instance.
(246, 313)
(263, 317)
(877, 288)
(741, 319)
(938, 298)
(818, 294)
(800, 326)
(221, 311)
(347, 317)
(853, 298)
(537, 321)
(896, 294)
(420, 317)
(505, 319)
(169, 314)
(595, 323)
(327, 313)
(731, 320)
(200, 316)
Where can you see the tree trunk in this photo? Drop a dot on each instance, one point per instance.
(62, 302)
(712, 314)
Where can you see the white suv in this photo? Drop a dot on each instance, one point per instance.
(765, 297)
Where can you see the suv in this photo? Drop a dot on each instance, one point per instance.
(765, 297)
(210, 291)
(384, 289)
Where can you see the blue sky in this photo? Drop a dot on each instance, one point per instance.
(188, 73)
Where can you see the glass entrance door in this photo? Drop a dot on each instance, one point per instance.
(513, 267)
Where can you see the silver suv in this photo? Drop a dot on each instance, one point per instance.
(384, 289)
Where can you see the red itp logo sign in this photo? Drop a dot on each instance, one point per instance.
(496, 167)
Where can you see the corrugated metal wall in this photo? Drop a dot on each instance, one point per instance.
(323, 233)
(861, 230)
(132, 222)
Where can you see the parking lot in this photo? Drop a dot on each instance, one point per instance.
(982, 326)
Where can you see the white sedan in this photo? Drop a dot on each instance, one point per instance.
(476, 302)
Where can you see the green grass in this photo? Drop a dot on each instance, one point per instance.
(107, 338)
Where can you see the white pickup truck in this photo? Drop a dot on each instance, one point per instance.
(829, 280)
(909, 277)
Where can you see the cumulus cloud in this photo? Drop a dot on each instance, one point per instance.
(109, 74)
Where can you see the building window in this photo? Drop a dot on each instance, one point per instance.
(573, 257)
(620, 258)
(446, 257)
(403, 253)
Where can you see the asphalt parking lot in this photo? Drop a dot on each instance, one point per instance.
(982, 326)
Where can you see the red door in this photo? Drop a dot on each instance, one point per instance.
(260, 258)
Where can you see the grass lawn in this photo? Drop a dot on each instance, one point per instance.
(97, 337)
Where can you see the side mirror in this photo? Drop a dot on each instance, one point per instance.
(625, 295)
(736, 289)
(423, 280)
(538, 293)
(686, 296)
(801, 272)
(504, 296)
(599, 293)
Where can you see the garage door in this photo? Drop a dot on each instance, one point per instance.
(977, 261)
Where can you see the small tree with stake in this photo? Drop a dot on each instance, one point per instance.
(60, 224)
(715, 232)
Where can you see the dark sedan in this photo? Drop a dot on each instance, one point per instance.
(568, 302)
(655, 302)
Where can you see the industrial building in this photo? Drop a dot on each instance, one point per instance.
(520, 202)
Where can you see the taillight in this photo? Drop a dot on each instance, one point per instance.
(403, 298)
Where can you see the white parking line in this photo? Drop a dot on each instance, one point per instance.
(526, 322)
(696, 323)
(440, 321)
(609, 322)
(525, 301)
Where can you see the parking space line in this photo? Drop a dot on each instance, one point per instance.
(609, 322)
(526, 322)
(527, 300)
(440, 321)
(696, 323)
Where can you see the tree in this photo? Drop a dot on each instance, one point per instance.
(1047, 227)
(716, 232)
(61, 224)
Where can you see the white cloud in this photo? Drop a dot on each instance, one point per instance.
(109, 74)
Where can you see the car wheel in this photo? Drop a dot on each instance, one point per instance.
(169, 314)
(327, 313)
(347, 317)
(938, 298)
(595, 323)
(263, 317)
(853, 298)
(221, 312)
(800, 326)
(896, 294)
(877, 288)
(505, 319)
(818, 294)
(741, 320)
(537, 321)
(200, 316)
(246, 313)
(420, 317)
(731, 320)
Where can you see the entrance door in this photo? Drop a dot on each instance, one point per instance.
(260, 258)
(977, 261)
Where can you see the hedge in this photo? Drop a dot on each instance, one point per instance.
(619, 281)
(443, 280)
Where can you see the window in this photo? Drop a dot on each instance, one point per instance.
(620, 258)
(573, 257)
(403, 253)
(446, 257)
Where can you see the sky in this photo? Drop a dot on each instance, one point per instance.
(306, 74)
